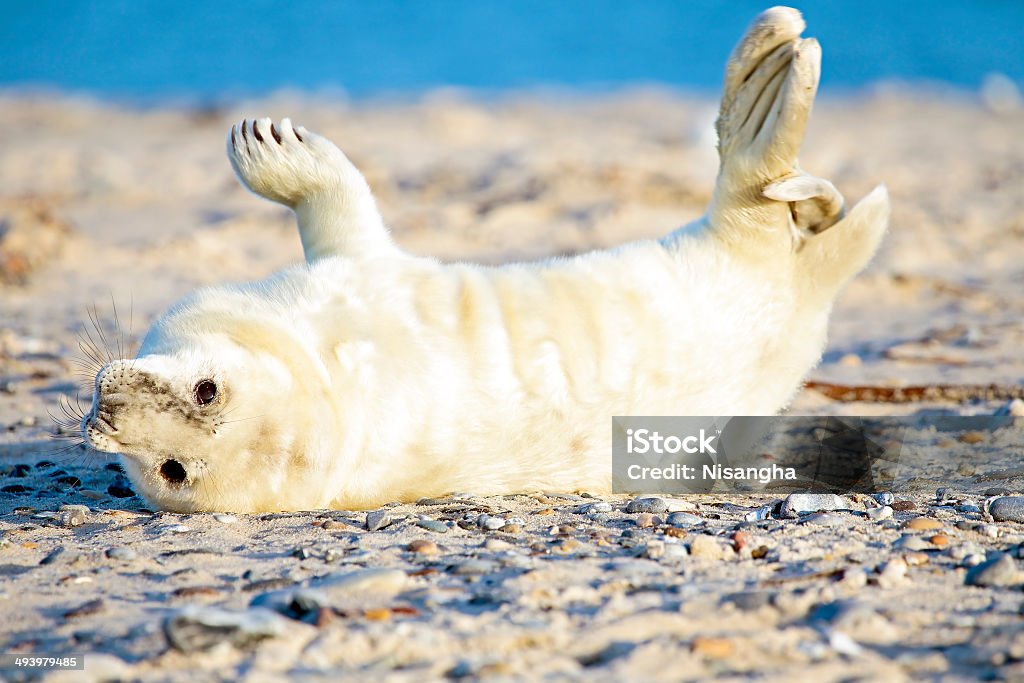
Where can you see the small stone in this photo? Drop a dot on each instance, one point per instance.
(676, 505)
(72, 515)
(880, 513)
(599, 506)
(884, 498)
(913, 543)
(378, 519)
(334, 525)
(512, 529)
(654, 550)
(1007, 509)
(684, 519)
(84, 610)
(968, 508)
(853, 578)
(55, 554)
(475, 568)
(997, 491)
(489, 522)
(892, 573)
(904, 505)
(423, 547)
(923, 524)
(645, 520)
(1001, 570)
(915, 559)
(225, 518)
(649, 504)
(972, 437)
(196, 629)
(828, 519)
(989, 530)
(121, 553)
(177, 529)
(706, 547)
(740, 540)
(939, 540)
(1014, 408)
(797, 503)
(760, 514)
(712, 648)
(432, 525)
(545, 512)
(362, 581)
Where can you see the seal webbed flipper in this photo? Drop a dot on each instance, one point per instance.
(336, 211)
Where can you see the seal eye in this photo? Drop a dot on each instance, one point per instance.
(205, 392)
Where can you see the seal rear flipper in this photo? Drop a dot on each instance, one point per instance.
(336, 211)
(830, 258)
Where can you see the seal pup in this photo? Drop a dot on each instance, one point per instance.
(368, 375)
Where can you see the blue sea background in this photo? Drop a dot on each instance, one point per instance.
(207, 50)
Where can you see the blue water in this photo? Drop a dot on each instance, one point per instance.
(207, 49)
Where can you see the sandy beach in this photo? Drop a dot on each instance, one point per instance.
(105, 207)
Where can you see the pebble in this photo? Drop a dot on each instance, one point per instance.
(797, 503)
(854, 578)
(826, 519)
(940, 540)
(475, 568)
(904, 505)
(990, 530)
(972, 437)
(1014, 408)
(1007, 509)
(599, 506)
(423, 547)
(177, 529)
(72, 515)
(761, 513)
(1001, 570)
(84, 610)
(489, 522)
(361, 581)
(654, 550)
(913, 543)
(884, 498)
(57, 554)
(432, 525)
(196, 628)
(225, 518)
(378, 519)
(997, 491)
(684, 519)
(968, 508)
(647, 504)
(892, 573)
(121, 553)
(712, 648)
(706, 547)
(334, 524)
(923, 524)
(645, 520)
(880, 513)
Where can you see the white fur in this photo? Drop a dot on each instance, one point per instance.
(369, 375)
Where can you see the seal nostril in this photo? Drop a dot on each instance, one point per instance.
(173, 471)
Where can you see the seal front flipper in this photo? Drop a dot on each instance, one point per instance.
(336, 211)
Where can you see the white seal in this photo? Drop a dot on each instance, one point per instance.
(368, 375)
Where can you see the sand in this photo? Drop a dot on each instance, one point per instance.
(107, 206)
